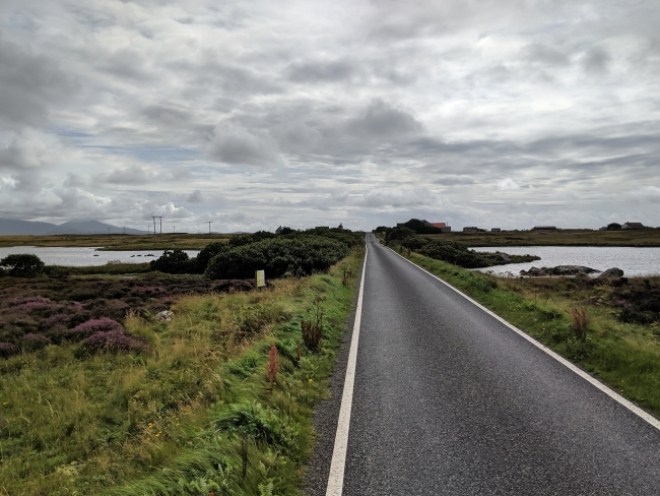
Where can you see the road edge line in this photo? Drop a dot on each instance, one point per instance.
(338, 464)
(586, 376)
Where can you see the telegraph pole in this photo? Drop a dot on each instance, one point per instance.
(209, 223)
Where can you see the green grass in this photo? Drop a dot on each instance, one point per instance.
(184, 419)
(624, 356)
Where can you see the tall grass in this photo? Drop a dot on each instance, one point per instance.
(188, 418)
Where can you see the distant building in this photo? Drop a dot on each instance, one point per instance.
(442, 226)
(544, 228)
(496, 229)
(340, 226)
(633, 225)
(283, 230)
(471, 229)
(322, 227)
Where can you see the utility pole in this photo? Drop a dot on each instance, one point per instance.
(154, 219)
(148, 229)
(160, 217)
(210, 222)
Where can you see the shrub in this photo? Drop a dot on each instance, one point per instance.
(246, 239)
(278, 256)
(207, 253)
(455, 253)
(7, 350)
(415, 242)
(173, 262)
(32, 342)
(22, 265)
(115, 341)
(93, 326)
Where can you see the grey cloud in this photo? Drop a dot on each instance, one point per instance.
(545, 55)
(596, 61)
(30, 85)
(131, 175)
(74, 181)
(321, 71)
(195, 197)
(382, 120)
(237, 145)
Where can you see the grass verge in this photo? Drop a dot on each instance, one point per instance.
(623, 355)
(197, 415)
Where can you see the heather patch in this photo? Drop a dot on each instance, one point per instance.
(55, 307)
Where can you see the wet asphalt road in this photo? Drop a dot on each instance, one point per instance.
(448, 400)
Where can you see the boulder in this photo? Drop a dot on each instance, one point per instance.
(164, 316)
(571, 270)
(609, 273)
(534, 272)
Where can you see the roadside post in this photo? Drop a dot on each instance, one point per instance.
(260, 278)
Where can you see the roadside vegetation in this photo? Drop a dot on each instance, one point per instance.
(610, 328)
(405, 239)
(102, 395)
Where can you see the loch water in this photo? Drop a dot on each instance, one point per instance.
(632, 260)
(82, 257)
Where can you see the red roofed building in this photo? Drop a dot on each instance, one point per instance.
(442, 226)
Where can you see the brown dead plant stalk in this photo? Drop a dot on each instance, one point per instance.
(580, 323)
(273, 367)
(312, 329)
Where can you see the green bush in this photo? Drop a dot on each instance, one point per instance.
(455, 253)
(246, 239)
(415, 243)
(208, 252)
(300, 255)
(22, 265)
(173, 262)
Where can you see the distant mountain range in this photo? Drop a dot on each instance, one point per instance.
(11, 227)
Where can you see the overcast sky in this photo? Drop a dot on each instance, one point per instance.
(254, 114)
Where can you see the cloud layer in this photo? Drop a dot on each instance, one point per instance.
(252, 114)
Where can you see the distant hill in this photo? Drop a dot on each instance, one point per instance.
(11, 227)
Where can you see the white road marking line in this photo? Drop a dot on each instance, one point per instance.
(336, 478)
(595, 382)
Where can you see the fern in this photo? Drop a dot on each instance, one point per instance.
(266, 488)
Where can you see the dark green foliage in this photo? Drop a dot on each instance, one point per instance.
(398, 234)
(455, 253)
(461, 255)
(415, 243)
(298, 256)
(173, 262)
(246, 239)
(421, 227)
(207, 253)
(22, 265)
(254, 421)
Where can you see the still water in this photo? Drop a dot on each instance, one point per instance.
(80, 257)
(633, 261)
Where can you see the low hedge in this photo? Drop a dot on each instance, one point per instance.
(300, 255)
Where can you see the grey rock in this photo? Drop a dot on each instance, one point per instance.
(164, 316)
(613, 272)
